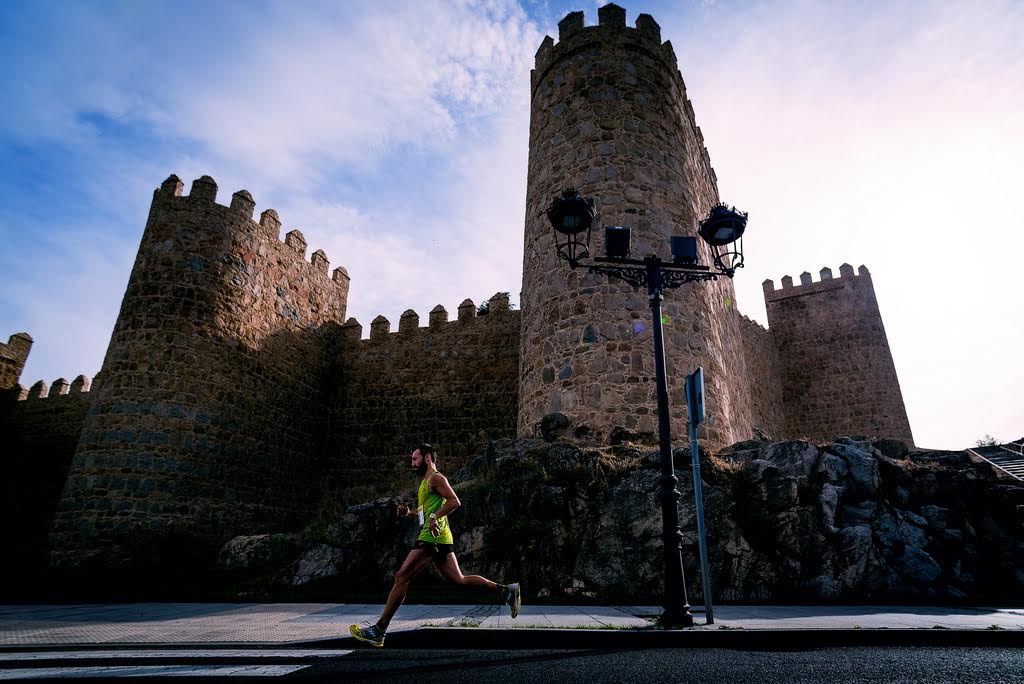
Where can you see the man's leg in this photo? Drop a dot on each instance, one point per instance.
(415, 563)
(449, 569)
(508, 593)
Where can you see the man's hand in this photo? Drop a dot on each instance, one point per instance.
(403, 511)
(435, 527)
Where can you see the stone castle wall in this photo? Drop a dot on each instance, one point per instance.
(451, 383)
(39, 430)
(763, 378)
(207, 416)
(610, 117)
(838, 376)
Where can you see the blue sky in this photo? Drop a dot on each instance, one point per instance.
(394, 135)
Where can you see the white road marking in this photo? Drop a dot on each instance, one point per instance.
(154, 671)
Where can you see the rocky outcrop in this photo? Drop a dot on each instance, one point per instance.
(847, 521)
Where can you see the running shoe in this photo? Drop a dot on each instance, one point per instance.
(512, 598)
(371, 634)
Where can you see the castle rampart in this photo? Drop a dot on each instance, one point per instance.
(207, 420)
(838, 375)
(610, 117)
(451, 383)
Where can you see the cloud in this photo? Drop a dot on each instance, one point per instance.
(886, 135)
(382, 131)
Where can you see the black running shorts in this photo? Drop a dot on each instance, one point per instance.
(438, 552)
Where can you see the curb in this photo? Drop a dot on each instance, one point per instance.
(456, 638)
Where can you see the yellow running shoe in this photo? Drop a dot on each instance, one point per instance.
(371, 634)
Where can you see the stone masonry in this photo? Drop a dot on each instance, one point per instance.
(235, 398)
(838, 375)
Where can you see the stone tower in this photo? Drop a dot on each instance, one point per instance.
(610, 117)
(205, 412)
(837, 372)
(13, 356)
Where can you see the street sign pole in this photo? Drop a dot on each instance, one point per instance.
(695, 411)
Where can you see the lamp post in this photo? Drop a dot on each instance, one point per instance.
(572, 216)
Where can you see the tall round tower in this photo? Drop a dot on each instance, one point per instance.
(610, 117)
(205, 417)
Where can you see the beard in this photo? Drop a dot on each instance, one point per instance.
(421, 469)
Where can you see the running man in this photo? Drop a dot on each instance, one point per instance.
(434, 544)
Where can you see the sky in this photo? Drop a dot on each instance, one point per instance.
(394, 134)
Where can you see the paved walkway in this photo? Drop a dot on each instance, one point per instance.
(223, 624)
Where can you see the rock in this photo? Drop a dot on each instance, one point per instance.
(554, 426)
(902, 496)
(917, 566)
(620, 435)
(937, 517)
(832, 468)
(318, 561)
(796, 459)
(862, 477)
(258, 551)
(914, 518)
(911, 534)
(822, 587)
(891, 448)
(562, 460)
(828, 501)
(788, 521)
(860, 514)
(893, 472)
(854, 552)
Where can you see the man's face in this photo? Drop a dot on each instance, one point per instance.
(418, 463)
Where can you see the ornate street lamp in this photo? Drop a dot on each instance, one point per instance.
(572, 215)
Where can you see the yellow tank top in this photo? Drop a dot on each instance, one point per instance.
(429, 502)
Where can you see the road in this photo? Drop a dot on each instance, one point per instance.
(889, 665)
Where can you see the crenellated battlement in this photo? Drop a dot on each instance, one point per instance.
(498, 307)
(573, 33)
(575, 37)
(826, 282)
(58, 388)
(204, 192)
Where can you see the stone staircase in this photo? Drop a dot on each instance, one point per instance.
(1008, 458)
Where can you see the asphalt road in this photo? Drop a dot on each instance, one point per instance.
(888, 665)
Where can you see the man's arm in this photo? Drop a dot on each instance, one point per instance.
(439, 483)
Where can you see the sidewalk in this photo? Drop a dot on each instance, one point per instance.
(308, 625)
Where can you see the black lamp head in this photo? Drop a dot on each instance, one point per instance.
(723, 225)
(571, 213)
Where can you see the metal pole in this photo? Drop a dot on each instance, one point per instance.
(677, 608)
(698, 496)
